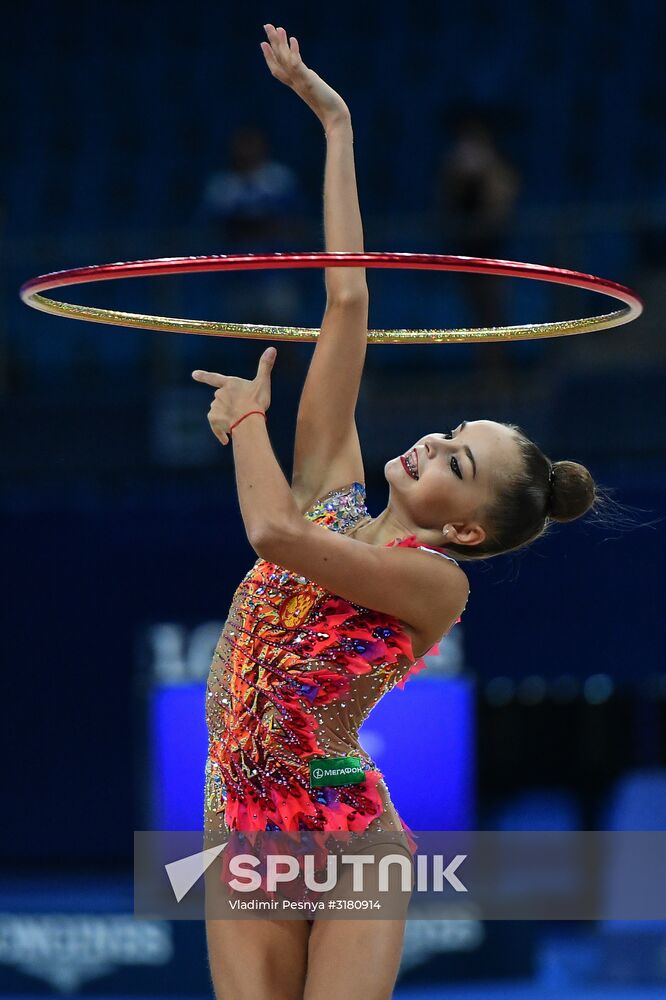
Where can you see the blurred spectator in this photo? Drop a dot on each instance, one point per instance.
(476, 194)
(254, 199)
(254, 205)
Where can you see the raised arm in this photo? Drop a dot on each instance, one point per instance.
(327, 452)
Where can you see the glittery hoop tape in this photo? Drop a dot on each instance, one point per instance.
(30, 293)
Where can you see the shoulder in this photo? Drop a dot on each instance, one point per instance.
(409, 584)
(439, 564)
(446, 573)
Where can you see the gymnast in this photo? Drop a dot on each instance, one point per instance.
(328, 621)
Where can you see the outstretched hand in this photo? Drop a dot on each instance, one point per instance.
(234, 397)
(283, 59)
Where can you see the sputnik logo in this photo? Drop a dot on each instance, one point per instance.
(185, 872)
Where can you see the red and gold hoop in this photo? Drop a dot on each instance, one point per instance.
(31, 294)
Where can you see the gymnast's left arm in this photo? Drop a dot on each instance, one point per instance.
(427, 594)
(267, 504)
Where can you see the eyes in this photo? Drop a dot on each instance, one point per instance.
(455, 467)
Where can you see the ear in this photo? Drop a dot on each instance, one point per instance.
(464, 533)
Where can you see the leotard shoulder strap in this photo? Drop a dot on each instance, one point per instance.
(413, 542)
(437, 552)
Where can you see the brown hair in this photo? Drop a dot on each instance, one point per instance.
(540, 492)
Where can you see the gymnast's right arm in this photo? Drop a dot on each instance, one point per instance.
(327, 451)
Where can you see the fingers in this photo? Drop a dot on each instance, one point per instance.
(271, 49)
(279, 48)
(277, 37)
(269, 56)
(210, 378)
(266, 362)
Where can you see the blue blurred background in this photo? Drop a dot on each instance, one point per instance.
(528, 131)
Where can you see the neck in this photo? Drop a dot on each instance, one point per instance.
(382, 529)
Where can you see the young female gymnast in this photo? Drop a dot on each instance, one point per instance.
(326, 622)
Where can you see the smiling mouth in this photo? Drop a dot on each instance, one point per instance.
(410, 463)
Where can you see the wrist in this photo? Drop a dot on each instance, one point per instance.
(338, 123)
(244, 418)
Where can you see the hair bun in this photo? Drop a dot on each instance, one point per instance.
(572, 491)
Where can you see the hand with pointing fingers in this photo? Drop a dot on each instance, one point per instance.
(234, 397)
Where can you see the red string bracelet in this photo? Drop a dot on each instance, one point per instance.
(243, 418)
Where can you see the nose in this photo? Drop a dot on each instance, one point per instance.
(436, 446)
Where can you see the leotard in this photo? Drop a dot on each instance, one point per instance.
(295, 672)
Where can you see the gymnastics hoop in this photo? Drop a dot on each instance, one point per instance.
(30, 293)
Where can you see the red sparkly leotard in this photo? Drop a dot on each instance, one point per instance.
(295, 672)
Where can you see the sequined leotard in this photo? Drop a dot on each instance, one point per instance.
(295, 672)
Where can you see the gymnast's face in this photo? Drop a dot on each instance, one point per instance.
(458, 472)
